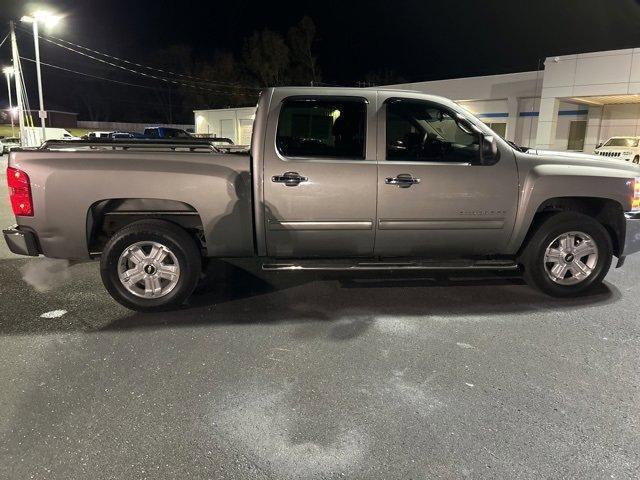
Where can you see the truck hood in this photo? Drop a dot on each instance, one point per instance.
(575, 158)
(616, 149)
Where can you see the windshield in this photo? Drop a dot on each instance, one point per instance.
(622, 142)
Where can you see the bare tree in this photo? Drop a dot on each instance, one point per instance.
(224, 84)
(302, 40)
(382, 77)
(88, 98)
(168, 96)
(266, 55)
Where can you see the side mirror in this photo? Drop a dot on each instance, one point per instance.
(599, 145)
(489, 152)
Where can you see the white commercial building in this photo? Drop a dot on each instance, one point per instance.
(576, 102)
(233, 123)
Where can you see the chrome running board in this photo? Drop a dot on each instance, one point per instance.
(346, 265)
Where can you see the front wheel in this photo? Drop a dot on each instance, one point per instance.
(568, 254)
(636, 160)
(150, 265)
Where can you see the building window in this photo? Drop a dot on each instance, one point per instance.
(499, 127)
(322, 128)
(577, 131)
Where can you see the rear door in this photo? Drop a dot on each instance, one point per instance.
(320, 174)
(434, 198)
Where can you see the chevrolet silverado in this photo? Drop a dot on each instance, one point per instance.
(336, 179)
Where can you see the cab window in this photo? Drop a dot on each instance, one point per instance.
(322, 128)
(424, 132)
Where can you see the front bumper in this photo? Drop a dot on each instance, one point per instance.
(632, 236)
(21, 241)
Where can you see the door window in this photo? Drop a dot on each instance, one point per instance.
(322, 128)
(424, 132)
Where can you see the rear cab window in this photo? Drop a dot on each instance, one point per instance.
(322, 128)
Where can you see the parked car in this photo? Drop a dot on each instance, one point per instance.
(116, 135)
(623, 148)
(97, 134)
(8, 143)
(337, 179)
(34, 137)
(166, 132)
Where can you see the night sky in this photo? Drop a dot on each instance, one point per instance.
(418, 40)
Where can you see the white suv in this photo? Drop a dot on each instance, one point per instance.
(624, 148)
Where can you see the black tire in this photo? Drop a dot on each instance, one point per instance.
(176, 239)
(636, 159)
(535, 269)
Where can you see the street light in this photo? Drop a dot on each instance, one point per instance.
(48, 20)
(8, 71)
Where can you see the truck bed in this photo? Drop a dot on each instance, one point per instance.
(75, 184)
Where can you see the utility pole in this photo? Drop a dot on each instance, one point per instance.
(170, 106)
(8, 71)
(42, 113)
(17, 76)
(48, 20)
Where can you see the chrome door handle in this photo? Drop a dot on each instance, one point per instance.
(403, 180)
(290, 179)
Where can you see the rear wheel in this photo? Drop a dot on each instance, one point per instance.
(636, 160)
(569, 253)
(150, 265)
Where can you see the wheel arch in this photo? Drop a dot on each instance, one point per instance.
(609, 213)
(106, 216)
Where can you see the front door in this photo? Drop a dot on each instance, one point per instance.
(320, 176)
(434, 198)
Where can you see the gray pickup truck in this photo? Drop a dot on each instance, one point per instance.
(336, 179)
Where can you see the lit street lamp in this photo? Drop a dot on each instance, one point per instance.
(8, 71)
(48, 20)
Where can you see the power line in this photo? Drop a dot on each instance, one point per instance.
(148, 75)
(57, 67)
(96, 77)
(4, 40)
(166, 72)
(221, 92)
(101, 99)
(93, 57)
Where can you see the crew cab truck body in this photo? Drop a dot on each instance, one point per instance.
(336, 179)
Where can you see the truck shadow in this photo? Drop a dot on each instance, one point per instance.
(343, 305)
(244, 297)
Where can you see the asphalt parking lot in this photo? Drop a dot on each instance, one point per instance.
(301, 376)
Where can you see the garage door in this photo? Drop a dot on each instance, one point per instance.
(246, 128)
(227, 130)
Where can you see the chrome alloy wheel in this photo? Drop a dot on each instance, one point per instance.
(148, 269)
(571, 258)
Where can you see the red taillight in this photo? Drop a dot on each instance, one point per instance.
(635, 200)
(19, 192)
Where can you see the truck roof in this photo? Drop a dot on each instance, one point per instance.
(347, 89)
(355, 91)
